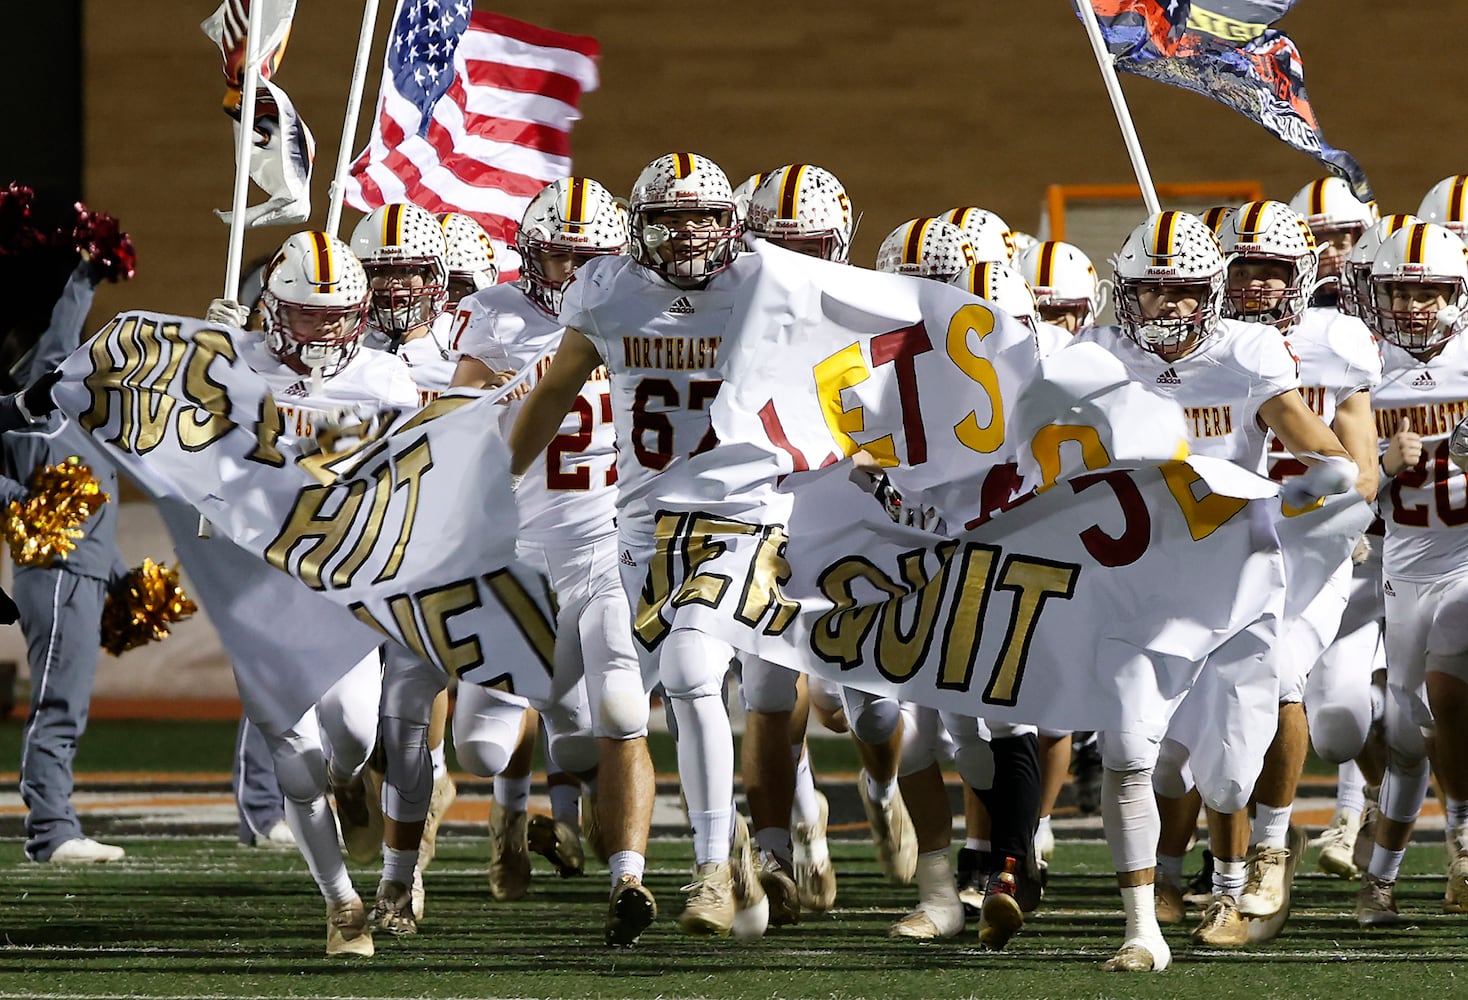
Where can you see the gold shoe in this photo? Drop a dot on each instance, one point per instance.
(361, 824)
(1140, 956)
(444, 794)
(393, 910)
(509, 854)
(558, 844)
(346, 929)
(1223, 925)
(709, 910)
(814, 876)
(1169, 902)
(892, 833)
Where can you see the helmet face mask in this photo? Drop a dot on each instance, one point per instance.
(683, 219)
(402, 249)
(803, 208)
(314, 304)
(568, 223)
(1067, 292)
(1419, 288)
(1355, 279)
(1169, 284)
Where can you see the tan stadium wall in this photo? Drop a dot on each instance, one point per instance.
(917, 107)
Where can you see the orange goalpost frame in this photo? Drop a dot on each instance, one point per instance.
(1057, 196)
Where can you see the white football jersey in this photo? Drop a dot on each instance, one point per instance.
(1220, 386)
(1425, 508)
(371, 380)
(1338, 358)
(569, 493)
(431, 359)
(661, 348)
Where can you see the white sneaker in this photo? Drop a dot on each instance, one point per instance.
(277, 838)
(85, 851)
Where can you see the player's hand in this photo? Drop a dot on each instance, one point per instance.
(36, 401)
(1404, 450)
(226, 312)
(911, 515)
(1458, 445)
(1325, 478)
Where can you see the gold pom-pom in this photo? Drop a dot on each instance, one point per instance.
(46, 525)
(141, 605)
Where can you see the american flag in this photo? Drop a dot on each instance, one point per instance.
(475, 113)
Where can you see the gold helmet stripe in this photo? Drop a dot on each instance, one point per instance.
(1162, 238)
(1415, 243)
(325, 272)
(1456, 210)
(682, 165)
(1045, 272)
(1317, 196)
(913, 252)
(790, 190)
(1253, 212)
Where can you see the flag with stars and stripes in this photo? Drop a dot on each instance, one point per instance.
(474, 115)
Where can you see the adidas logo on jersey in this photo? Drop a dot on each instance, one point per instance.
(681, 306)
(1169, 377)
(1386, 588)
(299, 388)
(626, 558)
(1424, 381)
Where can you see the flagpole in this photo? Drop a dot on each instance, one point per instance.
(338, 190)
(244, 142)
(1118, 104)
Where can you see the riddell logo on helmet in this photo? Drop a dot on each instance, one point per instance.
(1162, 271)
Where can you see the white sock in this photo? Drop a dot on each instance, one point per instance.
(1350, 792)
(512, 794)
(1170, 867)
(1228, 877)
(935, 880)
(1385, 864)
(627, 863)
(566, 804)
(776, 841)
(1271, 825)
(713, 830)
(976, 844)
(807, 808)
(314, 828)
(438, 759)
(1043, 827)
(397, 866)
(879, 792)
(1457, 813)
(1140, 905)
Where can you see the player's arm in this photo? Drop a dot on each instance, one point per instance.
(552, 398)
(1355, 426)
(472, 373)
(1329, 468)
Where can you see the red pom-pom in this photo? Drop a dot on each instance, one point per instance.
(18, 233)
(101, 239)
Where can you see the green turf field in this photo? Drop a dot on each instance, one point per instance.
(203, 918)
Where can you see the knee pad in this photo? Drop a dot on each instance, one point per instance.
(1404, 788)
(1172, 778)
(574, 752)
(693, 665)
(485, 741)
(872, 719)
(622, 707)
(409, 783)
(768, 687)
(1337, 733)
(1128, 751)
(824, 695)
(974, 761)
(300, 768)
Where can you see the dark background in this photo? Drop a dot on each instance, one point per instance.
(917, 107)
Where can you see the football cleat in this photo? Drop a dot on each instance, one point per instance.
(277, 838)
(419, 894)
(509, 854)
(777, 879)
(752, 906)
(1376, 902)
(1169, 902)
(1140, 955)
(558, 844)
(393, 910)
(892, 833)
(1223, 925)
(346, 929)
(930, 921)
(1366, 836)
(1455, 896)
(1267, 927)
(1001, 917)
(1337, 843)
(631, 910)
(444, 794)
(361, 825)
(815, 878)
(709, 910)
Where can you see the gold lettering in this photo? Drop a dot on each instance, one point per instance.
(767, 571)
(408, 469)
(965, 623)
(207, 395)
(1205, 514)
(838, 634)
(976, 318)
(1033, 582)
(322, 533)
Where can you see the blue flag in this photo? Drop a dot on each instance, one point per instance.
(1229, 52)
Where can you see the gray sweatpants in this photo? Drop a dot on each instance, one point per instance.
(257, 795)
(61, 616)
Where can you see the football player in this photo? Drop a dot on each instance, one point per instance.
(1337, 218)
(1067, 292)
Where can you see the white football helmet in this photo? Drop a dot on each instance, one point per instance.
(685, 254)
(314, 304)
(1004, 287)
(1063, 280)
(1330, 206)
(1167, 251)
(1215, 216)
(1355, 296)
(1270, 231)
(401, 247)
(803, 208)
(1419, 254)
(987, 233)
(1447, 205)
(926, 248)
(745, 191)
(468, 255)
(576, 216)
